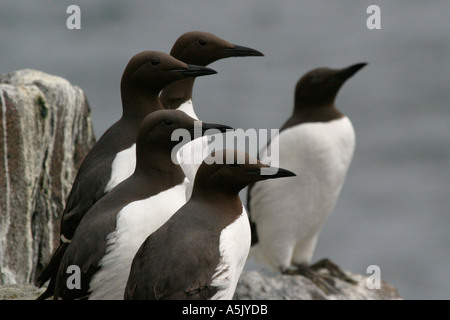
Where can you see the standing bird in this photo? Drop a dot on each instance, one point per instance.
(111, 232)
(318, 141)
(199, 253)
(113, 157)
(199, 48)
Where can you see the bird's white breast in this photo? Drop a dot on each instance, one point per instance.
(122, 167)
(234, 248)
(188, 108)
(290, 212)
(135, 222)
(191, 155)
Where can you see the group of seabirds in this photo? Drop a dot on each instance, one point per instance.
(142, 226)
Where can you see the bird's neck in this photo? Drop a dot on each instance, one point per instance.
(176, 93)
(218, 198)
(137, 103)
(161, 169)
(316, 113)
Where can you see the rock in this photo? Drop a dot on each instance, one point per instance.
(45, 132)
(255, 285)
(20, 292)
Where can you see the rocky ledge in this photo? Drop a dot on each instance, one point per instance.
(254, 285)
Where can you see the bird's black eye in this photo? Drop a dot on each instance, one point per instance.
(154, 62)
(234, 165)
(202, 42)
(167, 122)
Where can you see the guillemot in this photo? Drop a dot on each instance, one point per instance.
(317, 143)
(199, 253)
(111, 232)
(112, 158)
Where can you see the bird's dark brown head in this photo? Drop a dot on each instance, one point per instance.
(229, 171)
(151, 71)
(320, 86)
(198, 48)
(203, 48)
(156, 137)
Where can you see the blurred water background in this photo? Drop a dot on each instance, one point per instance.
(394, 209)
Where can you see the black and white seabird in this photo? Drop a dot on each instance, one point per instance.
(199, 253)
(112, 159)
(111, 232)
(317, 143)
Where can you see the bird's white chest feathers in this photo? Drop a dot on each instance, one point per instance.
(122, 167)
(191, 155)
(188, 108)
(135, 222)
(289, 213)
(234, 248)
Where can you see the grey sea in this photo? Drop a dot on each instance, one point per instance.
(394, 209)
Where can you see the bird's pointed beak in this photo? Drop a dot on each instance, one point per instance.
(271, 173)
(350, 71)
(193, 71)
(220, 127)
(240, 51)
